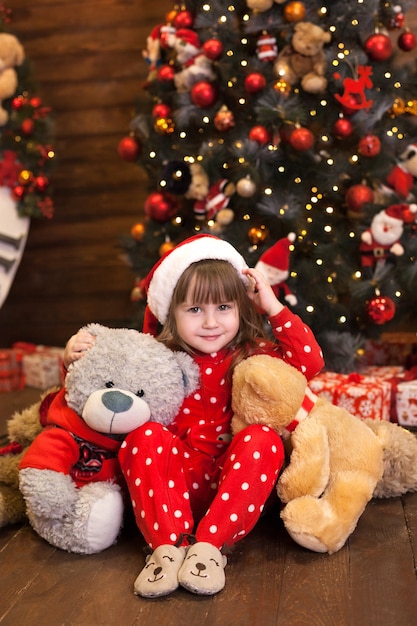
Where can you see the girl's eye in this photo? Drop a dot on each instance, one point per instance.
(140, 393)
(224, 307)
(194, 309)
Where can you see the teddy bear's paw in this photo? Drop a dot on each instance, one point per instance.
(47, 493)
(105, 515)
(314, 524)
(12, 506)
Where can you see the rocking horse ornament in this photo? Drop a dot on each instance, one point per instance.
(353, 96)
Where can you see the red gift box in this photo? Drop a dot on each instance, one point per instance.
(42, 367)
(10, 371)
(363, 396)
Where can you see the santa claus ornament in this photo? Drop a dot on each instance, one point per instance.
(274, 264)
(380, 243)
(401, 178)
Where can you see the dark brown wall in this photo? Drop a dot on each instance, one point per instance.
(86, 57)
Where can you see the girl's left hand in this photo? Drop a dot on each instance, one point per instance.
(261, 293)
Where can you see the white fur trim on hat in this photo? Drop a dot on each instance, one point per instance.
(170, 269)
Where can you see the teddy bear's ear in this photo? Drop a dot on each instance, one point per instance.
(95, 329)
(190, 372)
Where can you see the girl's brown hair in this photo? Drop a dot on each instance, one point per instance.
(215, 281)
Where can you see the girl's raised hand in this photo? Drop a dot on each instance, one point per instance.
(77, 346)
(261, 293)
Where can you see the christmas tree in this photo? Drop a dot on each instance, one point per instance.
(288, 122)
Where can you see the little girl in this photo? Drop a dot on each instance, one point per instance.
(195, 490)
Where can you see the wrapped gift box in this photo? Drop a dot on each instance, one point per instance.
(43, 367)
(363, 396)
(406, 403)
(10, 371)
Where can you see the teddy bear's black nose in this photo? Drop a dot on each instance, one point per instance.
(116, 401)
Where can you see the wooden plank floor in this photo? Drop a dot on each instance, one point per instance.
(269, 579)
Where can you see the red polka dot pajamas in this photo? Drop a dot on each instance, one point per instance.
(192, 477)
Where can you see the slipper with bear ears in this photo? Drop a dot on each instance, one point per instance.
(202, 571)
(159, 577)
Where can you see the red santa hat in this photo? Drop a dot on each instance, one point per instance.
(396, 211)
(189, 36)
(278, 255)
(163, 277)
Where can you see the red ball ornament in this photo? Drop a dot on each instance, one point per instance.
(183, 19)
(128, 149)
(160, 207)
(41, 183)
(260, 134)
(213, 49)
(369, 146)
(407, 41)
(357, 196)
(35, 102)
(203, 94)
(342, 128)
(166, 73)
(301, 139)
(161, 110)
(379, 47)
(18, 192)
(18, 103)
(27, 126)
(380, 310)
(255, 82)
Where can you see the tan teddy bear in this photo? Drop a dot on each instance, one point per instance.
(11, 55)
(338, 462)
(304, 60)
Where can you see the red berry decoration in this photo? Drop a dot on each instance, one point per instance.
(18, 192)
(259, 134)
(369, 146)
(379, 47)
(407, 41)
(380, 310)
(160, 207)
(255, 82)
(213, 49)
(128, 149)
(342, 128)
(203, 94)
(301, 139)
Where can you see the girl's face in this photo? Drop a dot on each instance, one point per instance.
(207, 327)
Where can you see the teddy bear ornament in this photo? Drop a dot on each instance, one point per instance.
(70, 476)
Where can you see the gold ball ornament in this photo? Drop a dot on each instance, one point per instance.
(245, 187)
(166, 247)
(164, 126)
(258, 234)
(224, 119)
(281, 86)
(25, 177)
(137, 231)
(294, 11)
